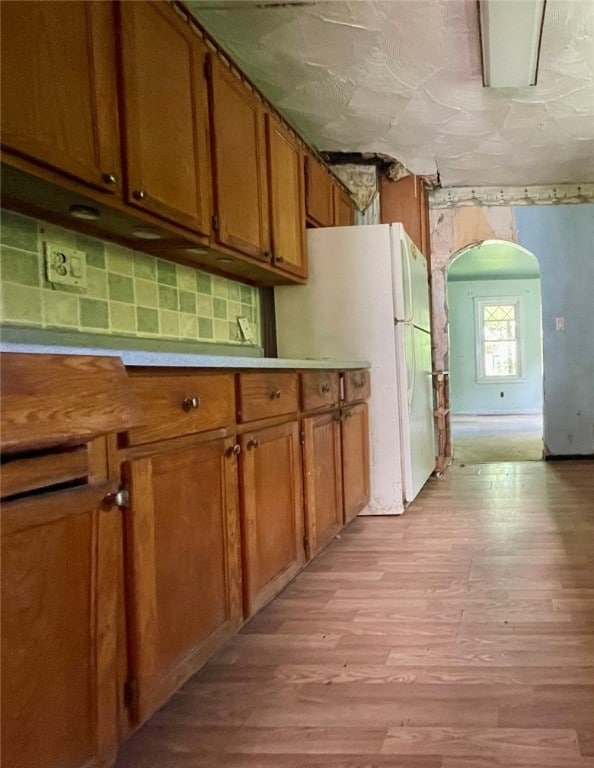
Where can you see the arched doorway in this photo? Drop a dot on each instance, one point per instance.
(495, 353)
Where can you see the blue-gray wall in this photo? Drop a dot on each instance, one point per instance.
(562, 238)
(468, 395)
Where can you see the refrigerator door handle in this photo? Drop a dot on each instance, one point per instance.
(412, 378)
(406, 268)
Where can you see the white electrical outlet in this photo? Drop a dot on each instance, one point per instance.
(245, 328)
(66, 266)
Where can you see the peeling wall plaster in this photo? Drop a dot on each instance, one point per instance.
(403, 78)
(451, 230)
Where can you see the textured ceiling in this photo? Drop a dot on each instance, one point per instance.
(403, 78)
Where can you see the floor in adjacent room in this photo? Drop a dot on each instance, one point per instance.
(485, 439)
(459, 635)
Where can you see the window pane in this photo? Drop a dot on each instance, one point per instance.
(501, 358)
(500, 312)
(499, 329)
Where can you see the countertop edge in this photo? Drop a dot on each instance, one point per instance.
(141, 358)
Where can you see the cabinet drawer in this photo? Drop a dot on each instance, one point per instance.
(356, 386)
(262, 395)
(182, 404)
(319, 389)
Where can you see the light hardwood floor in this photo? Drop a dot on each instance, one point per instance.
(460, 635)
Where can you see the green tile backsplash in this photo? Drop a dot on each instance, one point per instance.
(127, 294)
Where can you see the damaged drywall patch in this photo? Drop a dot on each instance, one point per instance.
(361, 181)
(452, 230)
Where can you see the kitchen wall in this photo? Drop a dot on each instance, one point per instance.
(562, 239)
(467, 394)
(129, 293)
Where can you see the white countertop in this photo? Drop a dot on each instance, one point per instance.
(136, 357)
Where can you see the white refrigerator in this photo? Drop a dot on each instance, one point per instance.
(367, 298)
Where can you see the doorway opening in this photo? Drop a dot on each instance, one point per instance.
(495, 361)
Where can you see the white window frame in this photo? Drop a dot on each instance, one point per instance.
(479, 304)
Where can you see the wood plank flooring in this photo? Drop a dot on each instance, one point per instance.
(460, 635)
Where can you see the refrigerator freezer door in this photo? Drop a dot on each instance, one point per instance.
(416, 407)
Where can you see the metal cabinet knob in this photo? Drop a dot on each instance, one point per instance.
(359, 382)
(110, 178)
(140, 194)
(120, 498)
(275, 394)
(325, 388)
(190, 403)
(279, 259)
(254, 443)
(234, 450)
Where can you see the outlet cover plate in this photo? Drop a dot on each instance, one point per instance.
(66, 266)
(246, 329)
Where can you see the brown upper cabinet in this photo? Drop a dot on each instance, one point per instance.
(318, 194)
(406, 201)
(344, 214)
(59, 104)
(287, 209)
(239, 164)
(165, 114)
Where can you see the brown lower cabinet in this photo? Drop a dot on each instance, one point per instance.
(272, 511)
(183, 576)
(355, 459)
(107, 610)
(60, 566)
(322, 463)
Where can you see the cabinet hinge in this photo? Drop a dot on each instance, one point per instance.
(131, 692)
(215, 223)
(302, 437)
(207, 68)
(305, 542)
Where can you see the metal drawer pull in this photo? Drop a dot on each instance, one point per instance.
(253, 443)
(234, 450)
(275, 394)
(190, 403)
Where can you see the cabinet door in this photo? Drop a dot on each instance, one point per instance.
(287, 210)
(165, 114)
(59, 89)
(355, 459)
(344, 214)
(184, 579)
(239, 158)
(323, 479)
(60, 565)
(319, 201)
(272, 512)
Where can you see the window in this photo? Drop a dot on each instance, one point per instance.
(498, 348)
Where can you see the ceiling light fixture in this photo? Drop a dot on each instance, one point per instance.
(510, 41)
